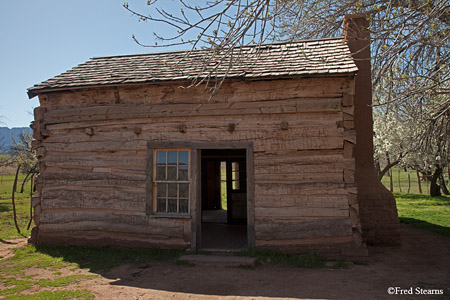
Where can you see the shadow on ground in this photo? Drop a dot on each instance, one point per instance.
(441, 230)
(422, 261)
(5, 207)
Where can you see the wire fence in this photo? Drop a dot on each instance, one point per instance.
(408, 181)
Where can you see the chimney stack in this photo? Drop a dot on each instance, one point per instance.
(377, 207)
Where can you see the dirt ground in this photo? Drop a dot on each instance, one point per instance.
(421, 263)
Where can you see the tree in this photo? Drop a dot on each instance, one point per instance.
(415, 139)
(392, 140)
(410, 43)
(410, 38)
(23, 157)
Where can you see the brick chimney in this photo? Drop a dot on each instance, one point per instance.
(377, 207)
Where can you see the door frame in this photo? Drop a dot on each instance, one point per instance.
(196, 201)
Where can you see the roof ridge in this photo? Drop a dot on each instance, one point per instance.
(200, 50)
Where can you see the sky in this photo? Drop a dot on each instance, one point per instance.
(40, 39)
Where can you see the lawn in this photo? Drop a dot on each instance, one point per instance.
(425, 212)
(7, 228)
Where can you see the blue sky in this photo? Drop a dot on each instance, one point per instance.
(43, 38)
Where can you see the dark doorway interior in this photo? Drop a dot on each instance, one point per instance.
(224, 199)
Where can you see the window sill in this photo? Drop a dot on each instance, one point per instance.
(171, 216)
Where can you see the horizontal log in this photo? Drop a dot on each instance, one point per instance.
(313, 201)
(291, 166)
(321, 241)
(270, 121)
(195, 129)
(114, 198)
(297, 188)
(137, 177)
(124, 172)
(307, 157)
(300, 212)
(156, 232)
(60, 216)
(118, 112)
(133, 160)
(230, 91)
(93, 238)
(267, 229)
(263, 141)
(299, 177)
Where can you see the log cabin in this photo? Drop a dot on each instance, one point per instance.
(280, 157)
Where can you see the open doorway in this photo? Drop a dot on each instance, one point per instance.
(224, 199)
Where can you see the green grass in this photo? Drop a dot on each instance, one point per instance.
(425, 212)
(223, 186)
(7, 228)
(12, 276)
(58, 295)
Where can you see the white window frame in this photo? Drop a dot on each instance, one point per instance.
(167, 181)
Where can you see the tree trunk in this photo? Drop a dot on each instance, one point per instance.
(24, 181)
(442, 185)
(388, 166)
(31, 200)
(399, 183)
(378, 168)
(434, 187)
(409, 183)
(13, 201)
(418, 181)
(391, 183)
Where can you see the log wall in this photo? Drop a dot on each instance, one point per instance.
(92, 146)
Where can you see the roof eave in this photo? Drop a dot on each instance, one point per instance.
(33, 92)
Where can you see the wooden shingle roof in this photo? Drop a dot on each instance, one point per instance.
(330, 56)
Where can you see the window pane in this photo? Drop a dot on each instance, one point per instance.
(172, 173)
(161, 190)
(183, 173)
(236, 185)
(184, 206)
(161, 157)
(183, 158)
(161, 172)
(161, 205)
(184, 190)
(173, 190)
(172, 208)
(171, 166)
(172, 157)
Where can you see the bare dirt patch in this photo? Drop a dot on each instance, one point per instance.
(6, 247)
(422, 261)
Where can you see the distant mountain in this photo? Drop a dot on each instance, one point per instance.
(7, 135)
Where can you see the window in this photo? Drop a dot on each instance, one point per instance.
(171, 181)
(235, 176)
